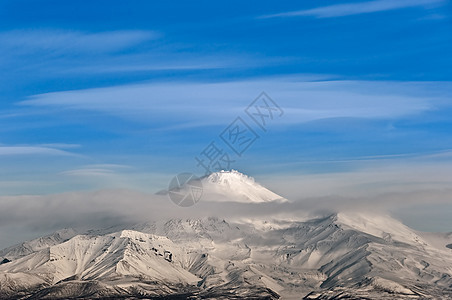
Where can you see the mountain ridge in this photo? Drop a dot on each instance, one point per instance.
(345, 255)
(213, 255)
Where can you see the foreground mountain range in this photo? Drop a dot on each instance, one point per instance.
(337, 256)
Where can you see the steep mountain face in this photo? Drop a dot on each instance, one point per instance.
(340, 256)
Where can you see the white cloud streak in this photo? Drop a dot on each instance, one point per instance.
(65, 52)
(349, 9)
(72, 41)
(203, 104)
(89, 172)
(33, 150)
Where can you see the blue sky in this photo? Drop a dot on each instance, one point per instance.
(117, 94)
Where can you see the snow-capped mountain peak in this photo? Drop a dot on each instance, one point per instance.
(236, 187)
(230, 178)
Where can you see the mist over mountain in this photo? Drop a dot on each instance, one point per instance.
(340, 255)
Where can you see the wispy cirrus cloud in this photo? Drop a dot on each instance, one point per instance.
(73, 41)
(89, 172)
(98, 170)
(56, 52)
(201, 104)
(61, 146)
(349, 9)
(33, 150)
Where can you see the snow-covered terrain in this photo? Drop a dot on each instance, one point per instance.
(337, 256)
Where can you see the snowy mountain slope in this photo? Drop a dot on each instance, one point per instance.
(121, 255)
(331, 255)
(345, 255)
(107, 256)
